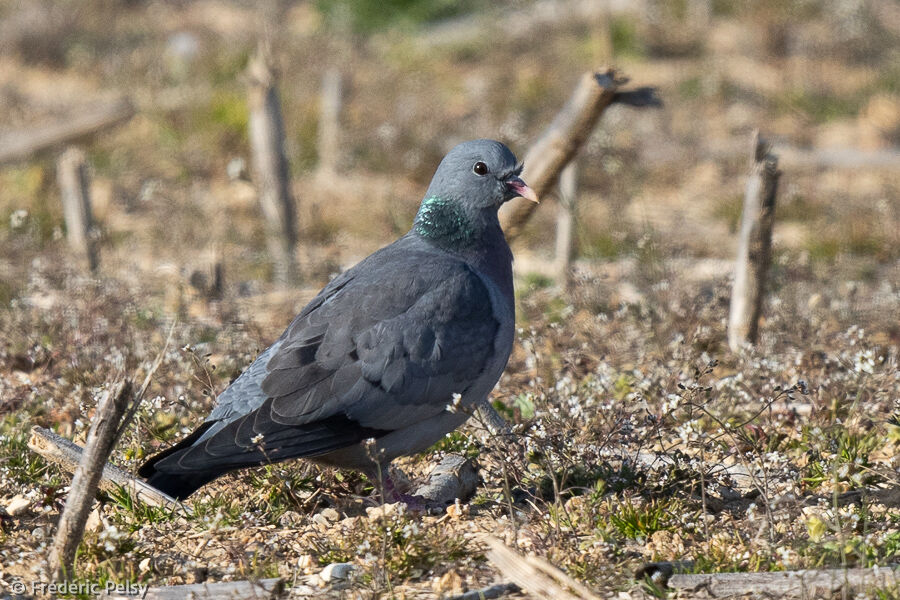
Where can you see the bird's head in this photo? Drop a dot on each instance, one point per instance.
(470, 184)
(480, 174)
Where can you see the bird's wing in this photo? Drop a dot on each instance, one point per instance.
(389, 349)
(245, 393)
(382, 349)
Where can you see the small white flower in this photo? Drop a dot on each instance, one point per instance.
(257, 439)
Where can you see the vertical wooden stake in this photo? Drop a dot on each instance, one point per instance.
(329, 123)
(100, 441)
(72, 176)
(754, 246)
(271, 167)
(565, 223)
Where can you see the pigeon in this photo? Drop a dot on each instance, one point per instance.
(392, 350)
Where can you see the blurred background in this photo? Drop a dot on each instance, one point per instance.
(660, 190)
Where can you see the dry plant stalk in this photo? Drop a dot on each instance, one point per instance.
(560, 143)
(565, 224)
(534, 575)
(100, 441)
(68, 456)
(271, 167)
(22, 144)
(74, 187)
(754, 246)
(329, 123)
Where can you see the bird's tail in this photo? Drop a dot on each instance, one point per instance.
(180, 485)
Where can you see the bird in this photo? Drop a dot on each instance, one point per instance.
(371, 368)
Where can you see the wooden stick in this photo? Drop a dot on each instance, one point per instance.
(68, 456)
(100, 441)
(261, 589)
(22, 144)
(534, 575)
(454, 477)
(781, 584)
(560, 142)
(271, 167)
(74, 187)
(754, 247)
(329, 123)
(565, 224)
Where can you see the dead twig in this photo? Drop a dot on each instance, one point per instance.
(782, 584)
(534, 575)
(68, 456)
(23, 144)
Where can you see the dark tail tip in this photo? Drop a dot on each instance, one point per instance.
(180, 485)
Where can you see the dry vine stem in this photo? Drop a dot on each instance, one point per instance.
(22, 144)
(560, 143)
(754, 247)
(68, 455)
(74, 187)
(270, 166)
(534, 575)
(100, 441)
(783, 584)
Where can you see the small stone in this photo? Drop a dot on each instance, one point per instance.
(93, 521)
(330, 514)
(290, 519)
(320, 520)
(18, 505)
(336, 572)
(144, 565)
(385, 510)
(38, 533)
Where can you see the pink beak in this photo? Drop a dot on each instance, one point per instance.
(521, 189)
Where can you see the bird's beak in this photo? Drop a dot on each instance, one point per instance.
(520, 188)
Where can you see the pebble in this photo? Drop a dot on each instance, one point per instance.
(330, 514)
(336, 572)
(17, 505)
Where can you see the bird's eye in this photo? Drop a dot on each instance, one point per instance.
(480, 168)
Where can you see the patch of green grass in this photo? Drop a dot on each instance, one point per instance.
(820, 108)
(132, 514)
(690, 88)
(624, 38)
(839, 455)
(729, 209)
(796, 208)
(602, 245)
(368, 16)
(635, 520)
(18, 461)
(536, 281)
(280, 488)
(459, 442)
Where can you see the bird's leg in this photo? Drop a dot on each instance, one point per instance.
(392, 492)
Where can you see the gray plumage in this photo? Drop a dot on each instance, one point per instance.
(382, 349)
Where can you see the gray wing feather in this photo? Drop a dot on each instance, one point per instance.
(386, 344)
